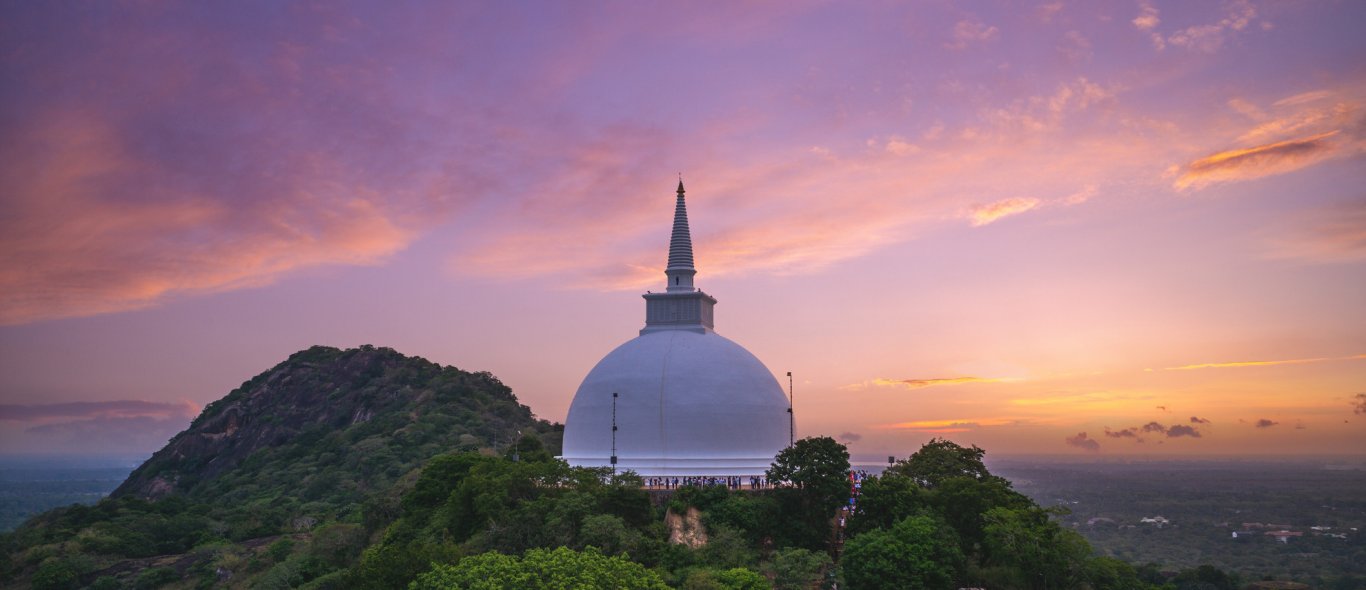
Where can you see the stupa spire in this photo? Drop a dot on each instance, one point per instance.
(680, 269)
(681, 307)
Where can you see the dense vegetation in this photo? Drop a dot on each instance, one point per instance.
(313, 452)
(367, 469)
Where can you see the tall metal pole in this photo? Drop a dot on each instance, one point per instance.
(791, 417)
(614, 433)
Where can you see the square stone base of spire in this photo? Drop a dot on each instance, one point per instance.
(678, 311)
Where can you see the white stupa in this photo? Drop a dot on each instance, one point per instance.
(688, 401)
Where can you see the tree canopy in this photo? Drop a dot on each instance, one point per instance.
(942, 459)
(540, 569)
(818, 466)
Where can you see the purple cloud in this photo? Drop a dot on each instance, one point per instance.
(1126, 433)
(1198, 420)
(119, 434)
(1265, 423)
(118, 408)
(1180, 430)
(1084, 442)
(1154, 427)
(1359, 403)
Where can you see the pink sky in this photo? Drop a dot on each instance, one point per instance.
(1061, 227)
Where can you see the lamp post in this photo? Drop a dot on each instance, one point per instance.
(791, 417)
(614, 433)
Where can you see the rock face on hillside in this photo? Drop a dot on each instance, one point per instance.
(328, 417)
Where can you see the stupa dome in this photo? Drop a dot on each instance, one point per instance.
(680, 398)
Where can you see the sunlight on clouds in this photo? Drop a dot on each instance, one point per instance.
(1258, 161)
(981, 215)
(921, 383)
(1304, 97)
(1237, 364)
(954, 425)
(1094, 399)
(77, 254)
(1147, 16)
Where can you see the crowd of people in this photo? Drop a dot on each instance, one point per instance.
(856, 478)
(732, 482)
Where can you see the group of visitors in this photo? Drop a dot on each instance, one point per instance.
(733, 482)
(856, 478)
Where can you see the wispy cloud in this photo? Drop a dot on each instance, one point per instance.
(1082, 441)
(1086, 399)
(103, 434)
(949, 426)
(1198, 420)
(1359, 403)
(1265, 423)
(1210, 37)
(970, 31)
(88, 410)
(1147, 18)
(1332, 234)
(82, 427)
(1258, 161)
(1241, 364)
(984, 214)
(1304, 97)
(921, 383)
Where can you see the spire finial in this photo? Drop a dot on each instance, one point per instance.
(680, 268)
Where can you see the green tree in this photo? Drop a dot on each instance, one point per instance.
(918, 553)
(819, 467)
(540, 569)
(941, 459)
(1205, 577)
(795, 568)
(610, 534)
(1108, 573)
(529, 448)
(885, 501)
(1043, 555)
(816, 471)
(964, 501)
(56, 574)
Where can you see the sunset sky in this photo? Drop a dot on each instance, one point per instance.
(1086, 228)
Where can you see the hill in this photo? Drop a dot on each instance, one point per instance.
(327, 437)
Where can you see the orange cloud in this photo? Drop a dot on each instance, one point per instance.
(991, 212)
(921, 383)
(949, 426)
(1237, 364)
(80, 242)
(1258, 161)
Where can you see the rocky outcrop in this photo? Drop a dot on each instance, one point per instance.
(315, 393)
(687, 528)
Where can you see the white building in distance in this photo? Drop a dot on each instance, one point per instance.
(679, 399)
